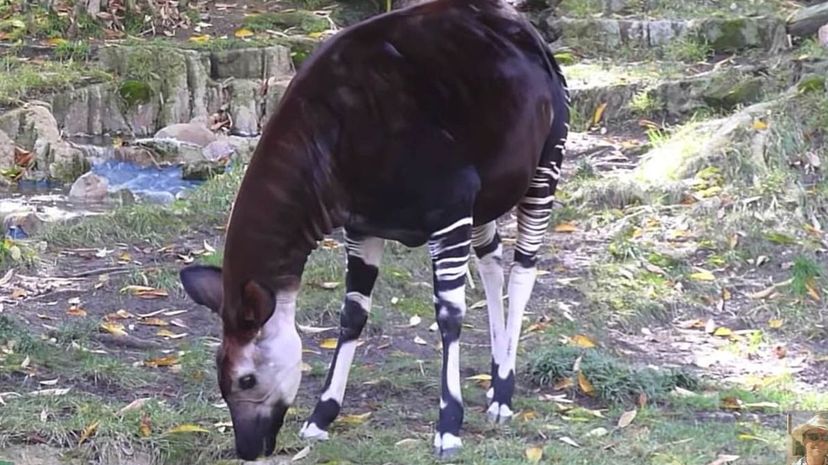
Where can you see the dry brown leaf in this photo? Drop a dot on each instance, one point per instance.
(533, 454)
(329, 285)
(355, 419)
(153, 322)
(329, 343)
(585, 385)
(145, 427)
(774, 323)
(702, 275)
(243, 33)
(88, 431)
(169, 334)
(599, 112)
(134, 405)
(188, 428)
(114, 328)
(165, 361)
(722, 458)
(565, 228)
(419, 340)
(579, 340)
(569, 441)
(75, 310)
(626, 418)
(810, 286)
(721, 331)
(414, 321)
(480, 377)
(18, 293)
(731, 403)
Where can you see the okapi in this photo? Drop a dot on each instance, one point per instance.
(422, 125)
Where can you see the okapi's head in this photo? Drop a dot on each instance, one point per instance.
(259, 361)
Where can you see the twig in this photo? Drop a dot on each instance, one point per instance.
(97, 271)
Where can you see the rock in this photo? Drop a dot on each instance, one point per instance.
(734, 34)
(6, 151)
(22, 224)
(726, 94)
(39, 131)
(807, 21)
(614, 6)
(89, 188)
(251, 63)
(245, 146)
(89, 110)
(159, 197)
(194, 133)
(123, 197)
(822, 35)
(170, 150)
(67, 162)
(245, 107)
(218, 150)
(201, 170)
(275, 91)
(141, 156)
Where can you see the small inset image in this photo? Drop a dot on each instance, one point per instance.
(808, 438)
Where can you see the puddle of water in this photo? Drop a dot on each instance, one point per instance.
(142, 180)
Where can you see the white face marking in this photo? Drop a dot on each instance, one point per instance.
(274, 357)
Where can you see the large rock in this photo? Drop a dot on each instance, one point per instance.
(251, 63)
(245, 107)
(89, 188)
(6, 151)
(66, 162)
(192, 133)
(807, 21)
(39, 131)
(141, 156)
(726, 95)
(170, 150)
(92, 110)
(22, 224)
(219, 150)
(822, 35)
(201, 170)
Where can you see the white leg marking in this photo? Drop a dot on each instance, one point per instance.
(447, 441)
(521, 282)
(491, 273)
(453, 370)
(342, 367)
(311, 431)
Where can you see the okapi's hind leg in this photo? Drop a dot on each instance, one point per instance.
(533, 214)
(449, 249)
(362, 266)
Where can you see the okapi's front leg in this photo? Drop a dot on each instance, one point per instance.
(449, 249)
(362, 263)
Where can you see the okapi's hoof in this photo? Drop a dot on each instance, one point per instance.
(312, 432)
(499, 413)
(446, 445)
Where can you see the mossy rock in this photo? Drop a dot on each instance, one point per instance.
(725, 94)
(305, 21)
(811, 83)
(201, 170)
(135, 92)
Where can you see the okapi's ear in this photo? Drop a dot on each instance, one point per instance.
(204, 285)
(258, 304)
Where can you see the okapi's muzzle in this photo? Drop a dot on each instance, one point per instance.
(256, 429)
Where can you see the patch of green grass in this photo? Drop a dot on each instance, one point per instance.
(805, 272)
(22, 79)
(304, 21)
(165, 277)
(688, 49)
(614, 381)
(644, 103)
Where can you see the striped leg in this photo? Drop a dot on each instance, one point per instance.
(489, 255)
(449, 249)
(362, 263)
(533, 220)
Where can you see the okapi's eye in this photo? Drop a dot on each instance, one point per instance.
(247, 382)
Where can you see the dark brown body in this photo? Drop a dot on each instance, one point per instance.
(390, 126)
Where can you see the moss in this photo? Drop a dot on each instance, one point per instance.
(811, 83)
(305, 21)
(724, 94)
(135, 92)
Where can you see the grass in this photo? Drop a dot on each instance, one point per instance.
(21, 79)
(679, 9)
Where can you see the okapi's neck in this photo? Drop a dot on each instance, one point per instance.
(285, 205)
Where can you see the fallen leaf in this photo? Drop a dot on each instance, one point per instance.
(433, 327)
(243, 33)
(153, 322)
(626, 418)
(301, 454)
(761, 405)
(579, 340)
(722, 331)
(480, 377)
(565, 228)
(25, 363)
(329, 343)
(569, 441)
(18, 293)
(597, 432)
(170, 334)
(50, 392)
(565, 383)
(314, 330)
(759, 125)
(145, 427)
(200, 39)
(585, 385)
(642, 399)
(88, 431)
(74, 310)
(355, 419)
(775, 323)
(165, 361)
(599, 112)
(134, 405)
(329, 285)
(723, 459)
(534, 454)
(419, 340)
(49, 382)
(113, 328)
(810, 286)
(306, 368)
(731, 403)
(405, 442)
(188, 428)
(414, 321)
(702, 275)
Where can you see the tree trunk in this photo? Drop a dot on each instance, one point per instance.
(807, 21)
